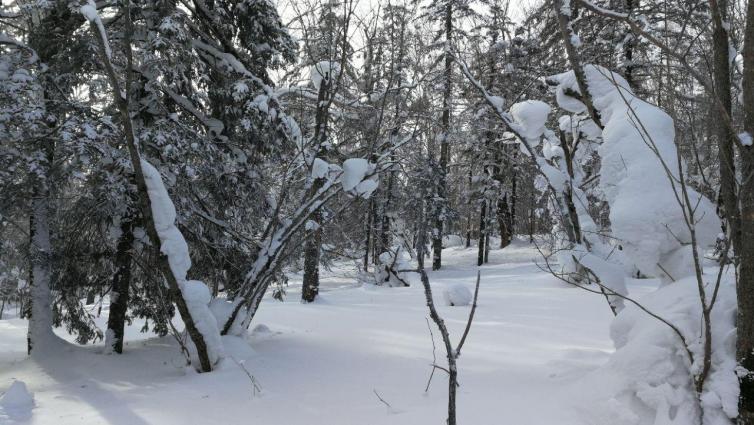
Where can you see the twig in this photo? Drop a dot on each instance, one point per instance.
(389, 407)
(471, 315)
(434, 355)
(255, 388)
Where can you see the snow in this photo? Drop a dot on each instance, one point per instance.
(638, 159)
(647, 382)
(457, 295)
(16, 403)
(355, 171)
(391, 269)
(324, 71)
(531, 116)
(89, 10)
(320, 168)
(745, 139)
(533, 339)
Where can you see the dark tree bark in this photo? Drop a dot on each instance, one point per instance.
(745, 284)
(119, 295)
(482, 233)
(727, 202)
(567, 34)
(439, 218)
(313, 244)
(504, 221)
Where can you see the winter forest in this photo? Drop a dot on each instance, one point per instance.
(341, 212)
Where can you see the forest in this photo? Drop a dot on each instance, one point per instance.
(306, 211)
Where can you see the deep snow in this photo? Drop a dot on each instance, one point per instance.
(532, 341)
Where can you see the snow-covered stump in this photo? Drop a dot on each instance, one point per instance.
(457, 295)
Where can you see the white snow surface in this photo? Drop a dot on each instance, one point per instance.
(644, 210)
(16, 403)
(533, 339)
(324, 71)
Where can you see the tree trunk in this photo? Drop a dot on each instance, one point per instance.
(122, 103)
(437, 233)
(119, 295)
(313, 245)
(566, 32)
(727, 202)
(503, 221)
(482, 233)
(745, 283)
(312, 248)
(40, 323)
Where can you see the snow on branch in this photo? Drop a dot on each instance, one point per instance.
(89, 10)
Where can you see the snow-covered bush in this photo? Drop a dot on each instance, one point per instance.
(457, 295)
(388, 270)
(648, 380)
(450, 241)
(639, 176)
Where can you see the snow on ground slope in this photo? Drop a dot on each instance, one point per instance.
(324, 363)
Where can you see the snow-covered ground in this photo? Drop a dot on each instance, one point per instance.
(532, 341)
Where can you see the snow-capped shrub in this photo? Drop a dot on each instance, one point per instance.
(649, 379)
(457, 295)
(388, 270)
(450, 241)
(638, 138)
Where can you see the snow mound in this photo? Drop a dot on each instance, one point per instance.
(354, 170)
(648, 379)
(17, 402)
(261, 329)
(457, 295)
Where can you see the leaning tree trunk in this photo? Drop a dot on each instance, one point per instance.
(567, 35)
(119, 295)
(122, 103)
